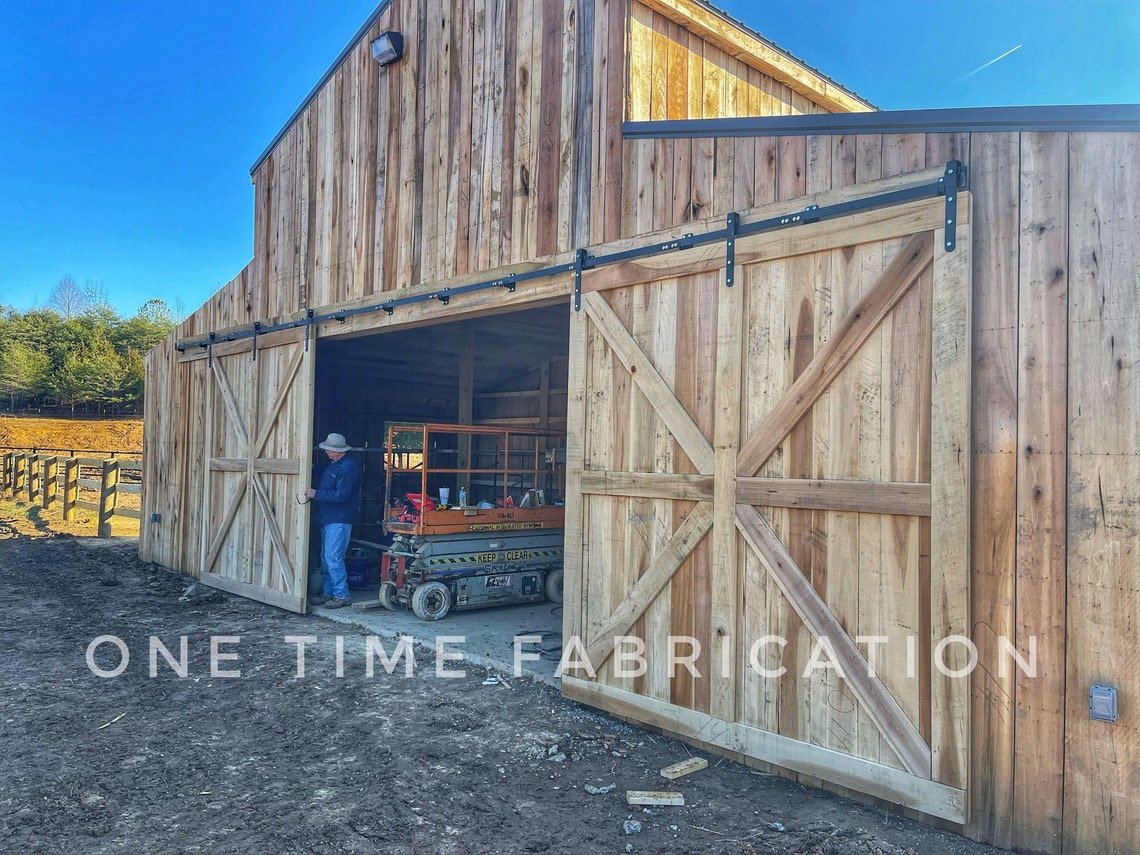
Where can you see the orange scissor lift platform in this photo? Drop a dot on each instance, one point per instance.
(503, 546)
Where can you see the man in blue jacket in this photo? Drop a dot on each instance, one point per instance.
(336, 498)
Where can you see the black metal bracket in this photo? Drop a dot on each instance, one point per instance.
(579, 266)
(952, 181)
(508, 282)
(256, 331)
(309, 315)
(810, 214)
(730, 249)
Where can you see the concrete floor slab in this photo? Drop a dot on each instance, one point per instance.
(489, 633)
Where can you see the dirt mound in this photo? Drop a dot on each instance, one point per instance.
(124, 435)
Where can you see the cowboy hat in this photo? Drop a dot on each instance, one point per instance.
(335, 442)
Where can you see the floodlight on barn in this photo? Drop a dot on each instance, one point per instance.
(388, 48)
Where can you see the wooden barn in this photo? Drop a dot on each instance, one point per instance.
(825, 373)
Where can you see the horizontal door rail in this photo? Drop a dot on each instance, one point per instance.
(948, 184)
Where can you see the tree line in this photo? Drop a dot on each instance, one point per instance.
(77, 354)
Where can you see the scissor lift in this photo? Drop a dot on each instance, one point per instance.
(502, 546)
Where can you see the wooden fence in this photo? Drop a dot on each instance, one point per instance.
(46, 479)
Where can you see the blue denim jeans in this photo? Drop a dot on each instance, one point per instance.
(334, 544)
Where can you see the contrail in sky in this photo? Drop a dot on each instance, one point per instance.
(991, 62)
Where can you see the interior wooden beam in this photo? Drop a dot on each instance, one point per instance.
(466, 390)
(521, 393)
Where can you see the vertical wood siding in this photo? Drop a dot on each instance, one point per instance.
(497, 139)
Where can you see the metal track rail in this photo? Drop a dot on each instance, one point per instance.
(948, 185)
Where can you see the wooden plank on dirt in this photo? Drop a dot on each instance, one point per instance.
(684, 767)
(653, 797)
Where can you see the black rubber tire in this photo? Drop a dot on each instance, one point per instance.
(553, 585)
(387, 596)
(431, 601)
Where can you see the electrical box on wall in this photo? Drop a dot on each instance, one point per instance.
(1102, 703)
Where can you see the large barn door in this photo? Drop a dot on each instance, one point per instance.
(258, 454)
(777, 473)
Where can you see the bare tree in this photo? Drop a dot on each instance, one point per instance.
(68, 299)
(97, 299)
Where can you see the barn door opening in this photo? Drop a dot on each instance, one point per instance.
(770, 464)
(257, 458)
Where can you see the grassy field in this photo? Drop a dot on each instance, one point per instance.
(91, 434)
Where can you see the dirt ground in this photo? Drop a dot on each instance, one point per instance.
(272, 763)
(31, 516)
(122, 434)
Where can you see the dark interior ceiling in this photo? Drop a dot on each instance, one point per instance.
(428, 358)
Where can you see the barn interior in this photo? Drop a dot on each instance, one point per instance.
(505, 370)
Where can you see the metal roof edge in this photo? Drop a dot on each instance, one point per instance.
(1074, 117)
(384, 4)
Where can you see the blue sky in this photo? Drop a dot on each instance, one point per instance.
(127, 129)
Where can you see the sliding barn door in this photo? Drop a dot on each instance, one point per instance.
(777, 472)
(258, 456)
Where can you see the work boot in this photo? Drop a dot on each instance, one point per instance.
(337, 603)
(319, 600)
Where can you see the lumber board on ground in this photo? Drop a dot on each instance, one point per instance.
(892, 785)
